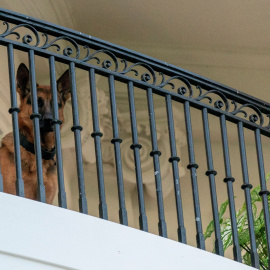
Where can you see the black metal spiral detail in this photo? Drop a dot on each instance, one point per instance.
(145, 77)
(253, 117)
(114, 62)
(106, 63)
(219, 104)
(67, 51)
(181, 90)
(26, 39)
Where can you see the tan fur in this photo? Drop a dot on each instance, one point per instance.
(28, 159)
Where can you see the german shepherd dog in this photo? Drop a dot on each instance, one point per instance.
(28, 159)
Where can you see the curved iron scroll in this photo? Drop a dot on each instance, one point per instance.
(107, 59)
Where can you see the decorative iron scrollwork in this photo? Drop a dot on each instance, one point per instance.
(26, 39)
(145, 77)
(107, 59)
(219, 104)
(254, 117)
(268, 116)
(181, 90)
(67, 51)
(106, 63)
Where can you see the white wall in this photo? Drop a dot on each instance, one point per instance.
(38, 236)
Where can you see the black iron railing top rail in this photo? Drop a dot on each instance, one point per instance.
(86, 51)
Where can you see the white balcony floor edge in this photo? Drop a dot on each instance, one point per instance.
(39, 236)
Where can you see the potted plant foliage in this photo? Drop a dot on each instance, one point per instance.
(242, 226)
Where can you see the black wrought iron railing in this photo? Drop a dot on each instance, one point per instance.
(155, 78)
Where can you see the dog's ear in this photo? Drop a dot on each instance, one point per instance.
(63, 86)
(22, 77)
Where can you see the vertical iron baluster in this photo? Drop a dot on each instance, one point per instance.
(193, 167)
(103, 212)
(118, 162)
(229, 181)
(76, 128)
(264, 192)
(246, 187)
(155, 153)
(174, 159)
(14, 110)
(35, 116)
(136, 149)
(56, 122)
(211, 174)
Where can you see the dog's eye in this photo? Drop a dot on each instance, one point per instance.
(40, 102)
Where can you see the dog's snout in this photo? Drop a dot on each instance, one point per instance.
(47, 118)
(46, 123)
(47, 115)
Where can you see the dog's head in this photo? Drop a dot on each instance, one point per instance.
(44, 100)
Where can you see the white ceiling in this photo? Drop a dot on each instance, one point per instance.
(227, 41)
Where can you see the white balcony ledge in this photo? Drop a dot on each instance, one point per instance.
(39, 236)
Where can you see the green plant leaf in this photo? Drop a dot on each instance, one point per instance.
(223, 208)
(209, 230)
(243, 228)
